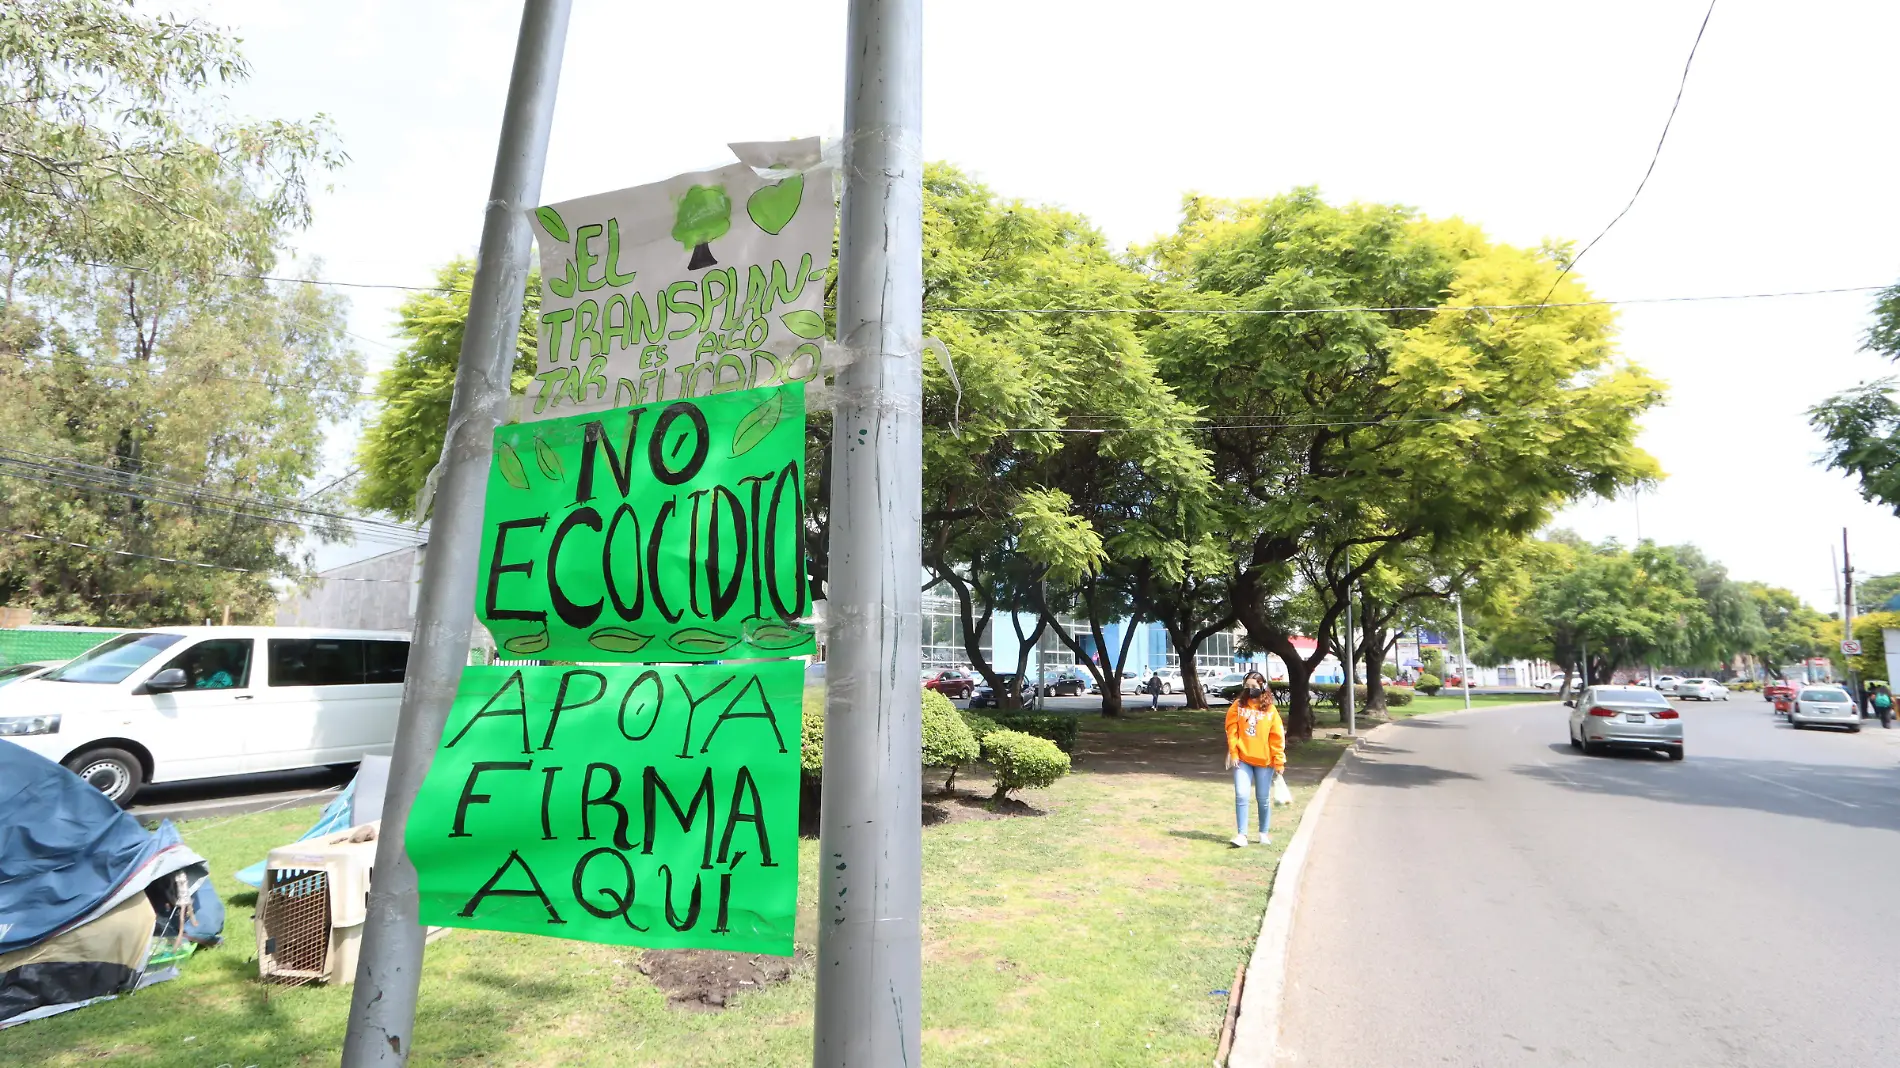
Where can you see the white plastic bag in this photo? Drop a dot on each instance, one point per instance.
(1281, 795)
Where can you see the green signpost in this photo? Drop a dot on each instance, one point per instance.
(666, 532)
(650, 805)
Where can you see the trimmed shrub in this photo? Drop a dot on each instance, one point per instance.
(1429, 684)
(1058, 728)
(980, 725)
(1023, 761)
(948, 742)
(1397, 697)
(1389, 670)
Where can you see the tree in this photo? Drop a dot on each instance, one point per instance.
(1860, 427)
(402, 441)
(1730, 623)
(1791, 631)
(165, 406)
(1871, 630)
(1876, 592)
(1616, 607)
(1338, 435)
(705, 214)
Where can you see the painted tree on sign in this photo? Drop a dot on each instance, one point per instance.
(704, 216)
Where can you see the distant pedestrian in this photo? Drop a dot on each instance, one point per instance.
(1882, 700)
(1256, 752)
(1153, 689)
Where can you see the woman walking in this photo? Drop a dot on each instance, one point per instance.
(1256, 752)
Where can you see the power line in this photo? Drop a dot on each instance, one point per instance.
(1409, 307)
(1654, 156)
(279, 278)
(122, 552)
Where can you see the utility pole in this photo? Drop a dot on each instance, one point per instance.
(870, 848)
(1464, 665)
(1847, 616)
(1346, 655)
(389, 973)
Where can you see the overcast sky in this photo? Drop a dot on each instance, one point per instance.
(1531, 120)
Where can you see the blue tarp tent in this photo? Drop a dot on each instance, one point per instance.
(91, 903)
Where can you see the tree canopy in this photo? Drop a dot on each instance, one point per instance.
(165, 406)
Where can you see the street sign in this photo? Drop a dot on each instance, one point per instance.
(1850, 647)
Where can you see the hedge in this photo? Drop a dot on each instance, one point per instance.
(1023, 761)
(1057, 728)
(1429, 684)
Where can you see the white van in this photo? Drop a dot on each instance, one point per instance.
(174, 703)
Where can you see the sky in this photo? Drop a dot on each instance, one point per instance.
(1533, 121)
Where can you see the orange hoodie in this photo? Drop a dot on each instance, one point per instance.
(1264, 743)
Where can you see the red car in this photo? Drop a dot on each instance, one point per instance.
(1781, 693)
(951, 683)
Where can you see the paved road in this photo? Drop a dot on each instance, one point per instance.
(1482, 895)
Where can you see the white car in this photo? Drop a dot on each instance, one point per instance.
(176, 703)
(1667, 683)
(1171, 681)
(1823, 706)
(1555, 682)
(1701, 690)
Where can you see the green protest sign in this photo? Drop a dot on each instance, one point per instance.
(643, 805)
(665, 532)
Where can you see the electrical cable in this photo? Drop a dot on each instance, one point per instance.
(122, 552)
(1653, 158)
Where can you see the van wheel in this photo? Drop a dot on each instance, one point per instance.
(113, 772)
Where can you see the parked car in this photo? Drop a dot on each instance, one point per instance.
(1229, 686)
(1823, 706)
(1701, 690)
(1667, 683)
(984, 696)
(951, 683)
(1130, 683)
(1555, 682)
(1171, 681)
(1066, 684)
(175, 703)
(1624, 717)
(1778, 688)
(31, 669)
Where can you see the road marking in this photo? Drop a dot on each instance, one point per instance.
(1799, 790)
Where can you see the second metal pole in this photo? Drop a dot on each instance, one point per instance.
(1345, 692)
(870, 848)
(389, 973)
(1464, 663)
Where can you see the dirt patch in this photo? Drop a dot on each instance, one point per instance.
(960, 807)
(705, 980)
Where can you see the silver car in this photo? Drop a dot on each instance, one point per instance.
(1625, 717)
(1828, 706)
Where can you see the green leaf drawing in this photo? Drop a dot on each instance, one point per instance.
(548, 459)
(562, 285)
(527, 643)
(758, 423)
(511, 469)
(773, 206)
(806, 324)
(772, 634)
(551, 222)
(698, 641)
(618, 640)
(704, 216)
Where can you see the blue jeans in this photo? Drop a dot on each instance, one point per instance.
(1262, 779)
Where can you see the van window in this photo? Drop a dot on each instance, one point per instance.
(218, 664)
(114, 660)
(385, 661)
(316, 662)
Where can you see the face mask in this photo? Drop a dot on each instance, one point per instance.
(1254, 691)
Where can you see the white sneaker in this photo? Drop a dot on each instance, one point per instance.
(1265, 838)
(1238, 841)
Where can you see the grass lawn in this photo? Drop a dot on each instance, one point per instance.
(1451, 700)
(1094, 933)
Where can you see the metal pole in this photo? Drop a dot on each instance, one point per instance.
(1464, 664)
(1847, 617)
(1042, 673)
(389, 973)
(870, 959)
(1345, 692)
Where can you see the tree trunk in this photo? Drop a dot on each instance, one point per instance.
(1375, 677)
(1299, 714)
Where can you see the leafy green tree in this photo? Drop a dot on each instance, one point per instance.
(1860, 427)
(1791, 631)
(1871, 630)
(403, 438)
(165, 408)
(1874, 593)
(1617, 607)
(1336, 436)
(1730, 624)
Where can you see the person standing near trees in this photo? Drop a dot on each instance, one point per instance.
(1256, 752)
(1153, 688)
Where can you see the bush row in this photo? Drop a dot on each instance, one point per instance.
(1026, 751)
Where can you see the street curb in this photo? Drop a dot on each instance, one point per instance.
(1257, 1034)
